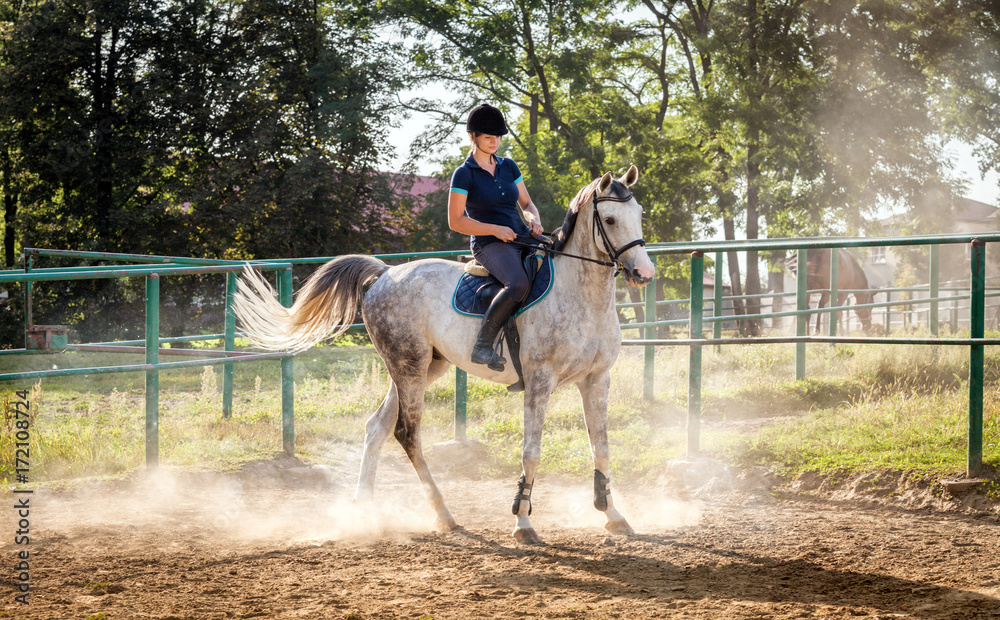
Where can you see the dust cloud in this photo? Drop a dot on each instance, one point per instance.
(263, 503)
(285, 502)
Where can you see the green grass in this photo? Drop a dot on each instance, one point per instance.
(863, 407)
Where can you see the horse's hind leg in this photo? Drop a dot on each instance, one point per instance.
(823, 299)
(410, 390)
(377, 430)
(594, 391)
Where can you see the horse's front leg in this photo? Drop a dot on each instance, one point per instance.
(538, 388)
(823, 299)
(594, 391)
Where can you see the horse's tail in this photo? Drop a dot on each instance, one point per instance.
(324, 307)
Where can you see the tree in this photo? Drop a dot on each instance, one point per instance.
(814, 114)
(961, 50)
(196, 127)
(590, 94)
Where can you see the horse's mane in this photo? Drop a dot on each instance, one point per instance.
(585, 195)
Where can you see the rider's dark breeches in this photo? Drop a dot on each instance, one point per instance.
(503, 261)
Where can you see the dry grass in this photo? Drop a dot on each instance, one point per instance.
(865, 406)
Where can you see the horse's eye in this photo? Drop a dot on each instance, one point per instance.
(610, 221)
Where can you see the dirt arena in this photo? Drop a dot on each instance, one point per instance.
(280, 540)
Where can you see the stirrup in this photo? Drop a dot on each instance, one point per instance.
(497, 361)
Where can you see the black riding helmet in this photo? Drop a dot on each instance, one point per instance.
(486, 119)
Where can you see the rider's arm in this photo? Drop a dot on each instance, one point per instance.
(530, 210)
(462, 223)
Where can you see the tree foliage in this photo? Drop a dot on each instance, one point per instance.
(257, 128)
(210, 128)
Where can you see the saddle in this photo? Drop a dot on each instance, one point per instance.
(477, 288)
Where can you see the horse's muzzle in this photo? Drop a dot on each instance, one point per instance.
(638, 280)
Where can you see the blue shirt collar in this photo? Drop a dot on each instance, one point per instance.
(472, 163)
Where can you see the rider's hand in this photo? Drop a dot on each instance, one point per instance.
(535, 227)
(505, 234)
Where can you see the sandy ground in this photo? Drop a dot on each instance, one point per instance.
(278, 540)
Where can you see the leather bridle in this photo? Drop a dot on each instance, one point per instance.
(598, 229)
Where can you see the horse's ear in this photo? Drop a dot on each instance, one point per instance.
(629, 178)
(604, 183)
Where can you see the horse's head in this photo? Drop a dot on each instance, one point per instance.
(617, 226)
(864, 314)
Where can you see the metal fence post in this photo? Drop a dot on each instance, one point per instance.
(977, 317)
(888, 312)
(461, 403)
(954, 312)
(287, 377)
(649, 333)
(932, 318)
(694, 359)
(801, 320)
(28, 318)
(717, 301)
(834, 282)
(152, 376)
(229, 344)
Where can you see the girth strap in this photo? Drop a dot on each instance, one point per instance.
(523, 493)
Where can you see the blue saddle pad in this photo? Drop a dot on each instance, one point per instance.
(468, 299)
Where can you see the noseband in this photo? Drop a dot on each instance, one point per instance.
(598, 229)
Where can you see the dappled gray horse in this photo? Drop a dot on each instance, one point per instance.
(571, 336)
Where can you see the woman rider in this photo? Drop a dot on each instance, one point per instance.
(488, 200)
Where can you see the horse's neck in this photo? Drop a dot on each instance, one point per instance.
(590, 281)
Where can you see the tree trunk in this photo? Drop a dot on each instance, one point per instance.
(776, 284)
(636, 298)
(10, 200)
(733, 262)
(103, 89)
(752, 325)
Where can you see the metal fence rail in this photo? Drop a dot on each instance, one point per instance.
(152, 268)
(696, 339)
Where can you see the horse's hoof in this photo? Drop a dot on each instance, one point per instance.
(445, 525)
(527, 536)
(620, 526)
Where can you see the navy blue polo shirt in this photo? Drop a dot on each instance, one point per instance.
(491, 199)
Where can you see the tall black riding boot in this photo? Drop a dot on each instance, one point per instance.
(496, 317)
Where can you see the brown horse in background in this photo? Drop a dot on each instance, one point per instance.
(850, 275)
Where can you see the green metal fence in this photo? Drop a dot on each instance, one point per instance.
(696, 340)
(153, 272)
(154, 268)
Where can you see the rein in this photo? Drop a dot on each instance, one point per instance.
(596, 229)
(544, 246)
